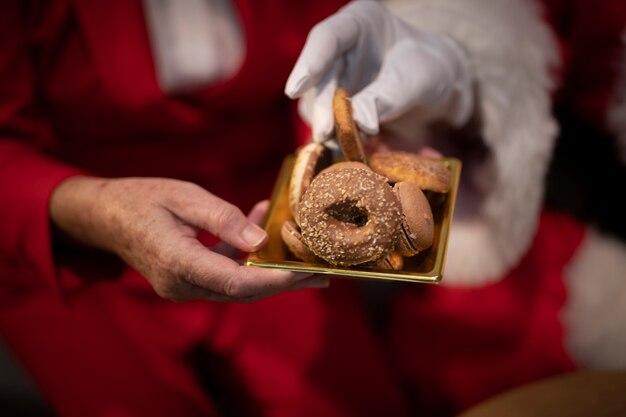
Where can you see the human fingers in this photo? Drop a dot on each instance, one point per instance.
(256, 215)
(200, 208)
(222, 279)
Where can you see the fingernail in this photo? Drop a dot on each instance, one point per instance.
(253, 235)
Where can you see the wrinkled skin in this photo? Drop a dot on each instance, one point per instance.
(153, 225)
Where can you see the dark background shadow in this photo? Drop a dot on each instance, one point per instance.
(18, 395)
(586, 178)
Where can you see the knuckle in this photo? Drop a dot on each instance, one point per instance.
(173, 281)
(165, 289)
(164, 261)
(192, 189)
(233, 288)
(226, 214)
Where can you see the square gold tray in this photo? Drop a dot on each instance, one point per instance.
(425, 267)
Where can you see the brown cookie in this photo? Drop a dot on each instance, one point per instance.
(346, 130)
(393, 262)
(417, 226)
(426, 173)
(344, 165)
(290, 232)
(310, 160)
(350, 216)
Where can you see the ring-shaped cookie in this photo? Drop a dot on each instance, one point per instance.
(426, 173)
(310, 160)
(292, 237)
(417, 219)
(346, 130)
(350, 216)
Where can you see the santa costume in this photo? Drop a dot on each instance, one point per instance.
(86, 88)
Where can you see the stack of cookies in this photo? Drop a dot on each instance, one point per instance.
(362, 210)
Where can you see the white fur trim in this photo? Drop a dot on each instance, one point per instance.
(595, 316)
(194, 42)
(512, 52)
(617, 110)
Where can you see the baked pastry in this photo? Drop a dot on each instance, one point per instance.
(350, 216)
(310, 160)
(393, 262)
(417, 227)
(349, 213)
(290, 232)
(427, 173)
(347, 132)
(344, 165)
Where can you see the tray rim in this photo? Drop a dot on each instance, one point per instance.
(434, 276)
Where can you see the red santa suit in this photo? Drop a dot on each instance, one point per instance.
(79, 94)
(593, 95)
(526, 292)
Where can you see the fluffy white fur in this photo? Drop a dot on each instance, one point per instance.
(511, 53)
(595, 316)
(617, 111)
(194, 42)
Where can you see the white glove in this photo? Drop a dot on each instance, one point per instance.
(390, 68)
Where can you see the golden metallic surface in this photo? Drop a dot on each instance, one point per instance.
(426, 267)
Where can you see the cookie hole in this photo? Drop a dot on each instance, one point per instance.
(348, 212)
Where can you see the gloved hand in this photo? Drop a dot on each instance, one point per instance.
(391, 69)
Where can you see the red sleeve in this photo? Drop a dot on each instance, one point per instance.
(27, 175)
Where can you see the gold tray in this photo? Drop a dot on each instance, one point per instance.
(425, 267)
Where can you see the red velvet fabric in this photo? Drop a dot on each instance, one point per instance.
(78, 94)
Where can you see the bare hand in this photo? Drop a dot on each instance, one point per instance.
(153, 224)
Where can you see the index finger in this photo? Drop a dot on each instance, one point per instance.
(326, 42)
